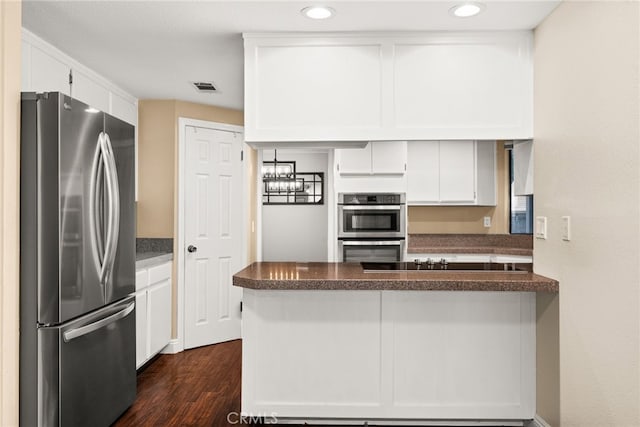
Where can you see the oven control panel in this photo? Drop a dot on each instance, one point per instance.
(371, 198)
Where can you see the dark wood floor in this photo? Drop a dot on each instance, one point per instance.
(196, 387)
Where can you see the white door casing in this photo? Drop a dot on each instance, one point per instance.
(213, 227)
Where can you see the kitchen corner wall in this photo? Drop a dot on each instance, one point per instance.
(587, 166)
(158, 169)
(10, 60)
(467, 219)
(157, 159)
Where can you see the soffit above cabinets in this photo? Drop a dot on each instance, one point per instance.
(177, 43)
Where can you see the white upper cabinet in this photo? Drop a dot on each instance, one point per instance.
(423, 171)
(377, 87)
(388, 157)
(457, 171)
(90, 92)
(377, 158)
(47, 69)
(451, 173)
(48, 74)
(354, 161)
(299, 89)
(464, 86)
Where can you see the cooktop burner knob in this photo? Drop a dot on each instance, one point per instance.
(417, 261)
(444, 261)
(429, 261)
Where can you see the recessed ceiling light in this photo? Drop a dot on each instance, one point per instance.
(92, 110)
(318, 12)
(466, 10)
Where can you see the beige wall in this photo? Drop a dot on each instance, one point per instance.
(467, 219)
(587, 165)
(156, 168)
(251, 186)
(10, 59)
(157, 205)
(157, 159)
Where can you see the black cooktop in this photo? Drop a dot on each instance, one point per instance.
(441, 266)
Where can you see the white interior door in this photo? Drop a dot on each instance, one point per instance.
(213, 207)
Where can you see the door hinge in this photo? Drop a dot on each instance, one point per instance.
(241, 155)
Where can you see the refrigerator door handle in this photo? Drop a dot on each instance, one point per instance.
(95, 206)
(87, 329)
(114, 205)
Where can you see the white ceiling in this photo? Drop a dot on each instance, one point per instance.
(154, 49)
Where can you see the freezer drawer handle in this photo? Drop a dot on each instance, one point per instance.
(84, 330)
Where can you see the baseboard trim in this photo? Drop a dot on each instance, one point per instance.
(538, 421)
(174, 346)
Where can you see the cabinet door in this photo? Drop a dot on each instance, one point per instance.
(159, 306)
(311, 89)
(475, 86)
(88, 91)
(457, 171)
(423, 172)
(47, 73)
(124, 109)
(142, 349)
(355, 161)
(388, 157)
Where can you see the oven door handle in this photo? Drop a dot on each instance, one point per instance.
(370, 207)
(372, 242)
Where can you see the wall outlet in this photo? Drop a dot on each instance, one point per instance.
(487, 221)
(541, 227)
(566, 228)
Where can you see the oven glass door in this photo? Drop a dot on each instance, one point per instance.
(363, 221)
(371, 251)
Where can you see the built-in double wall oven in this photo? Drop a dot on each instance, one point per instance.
(371, 227)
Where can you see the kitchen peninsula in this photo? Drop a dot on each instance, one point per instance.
(331, 342)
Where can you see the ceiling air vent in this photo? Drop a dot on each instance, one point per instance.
(207, 87)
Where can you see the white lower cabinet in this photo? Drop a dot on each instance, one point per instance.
(389, 355)
(142, 335)
(153, 311)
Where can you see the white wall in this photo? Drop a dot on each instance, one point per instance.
(296, 232)
(587, 165)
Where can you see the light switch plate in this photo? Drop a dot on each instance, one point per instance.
(566, 228)
(541, 227)
(487, 221)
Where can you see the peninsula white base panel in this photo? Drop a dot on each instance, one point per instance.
(389, 355)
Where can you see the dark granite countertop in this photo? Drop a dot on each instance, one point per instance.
(351, 276)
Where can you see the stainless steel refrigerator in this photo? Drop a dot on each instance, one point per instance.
(77, 233)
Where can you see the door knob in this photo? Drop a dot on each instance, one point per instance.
(191, 248)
